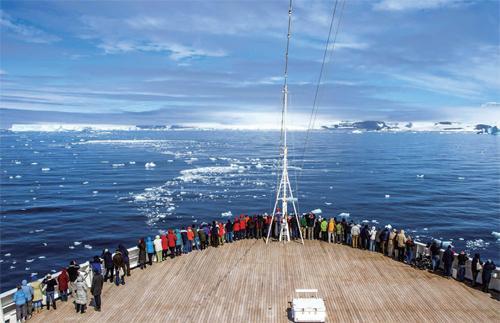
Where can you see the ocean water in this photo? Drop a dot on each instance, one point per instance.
(67, 196)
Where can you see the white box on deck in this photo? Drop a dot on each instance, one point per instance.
(308, 309)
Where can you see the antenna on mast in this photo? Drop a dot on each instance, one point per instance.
(284, 192)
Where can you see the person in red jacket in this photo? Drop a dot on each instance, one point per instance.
(190, 237)
(62, 283)
(243, 227)
(222, 233)
(236, 229)
(171, 239)
(164, 246)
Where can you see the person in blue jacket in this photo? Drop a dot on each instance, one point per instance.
(20, 301)
(178, 242)
(29, 292)
(150, 249)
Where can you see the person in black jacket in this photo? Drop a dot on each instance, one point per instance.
(434, 249)
(475, 267)
(126, 259)
(73, 273)
(488, 268)
(448, 261)
(50, 288)
(108, 265)
(96, 289)
(462, 260)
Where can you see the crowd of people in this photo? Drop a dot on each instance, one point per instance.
(176, 242)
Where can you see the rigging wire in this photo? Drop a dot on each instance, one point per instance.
(314, 110)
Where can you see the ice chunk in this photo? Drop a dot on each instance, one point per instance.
(150, 165)
(85, 183)
(77, 243)
(7, 255)
(387, 196)
(496, 235)
(71, 247)
(317, 211)
(117, 165)
(87, 246)
(461, 178)
(30, 260)
(420, 176)
(45, 169)
(34, 163)
(131, 162)
(344, 214)
(227, 214)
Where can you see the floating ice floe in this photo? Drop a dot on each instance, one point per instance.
(117, 165)
(87, 246)
(95, 192)
(30, 260)
(475, 244)
(12, 267)
(461, 239)
(316, 211)
(85, 183)
(496, 235)
(345, 214)
(259, 166)
(18, 176)
(425, 229)
(34, 163)
(77, 243)
(387, 196)
(45, 169)
(17, 162)
(150, 165)
(461, 178)
(420, 175)
(39, 230)
(41, 257)
(7, 255)
(131, 162)
(71, 247)
(227, 214)
(328, 203)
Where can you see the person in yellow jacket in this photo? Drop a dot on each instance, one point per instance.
(331, 230)
(37, 294)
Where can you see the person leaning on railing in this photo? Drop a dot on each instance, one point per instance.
(19, 299)
(37, 293)
(50, 283)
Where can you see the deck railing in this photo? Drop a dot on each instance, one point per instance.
(8, 308)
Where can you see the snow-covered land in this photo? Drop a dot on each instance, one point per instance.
(57, 127)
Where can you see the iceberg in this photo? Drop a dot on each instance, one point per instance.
(57, 127)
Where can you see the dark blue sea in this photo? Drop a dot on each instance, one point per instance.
(69, 195)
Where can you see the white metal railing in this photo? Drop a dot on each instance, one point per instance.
(8, 308)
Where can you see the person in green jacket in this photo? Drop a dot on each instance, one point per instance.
(340, 232)
(303, 226)
(324, 228)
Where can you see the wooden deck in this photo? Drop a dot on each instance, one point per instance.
(248, 281)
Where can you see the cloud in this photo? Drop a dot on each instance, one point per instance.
(406, 5)
(491, 105)
(25, 32)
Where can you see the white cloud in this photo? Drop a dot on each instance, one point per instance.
(404, 5)
(490, 105)
(25, 32)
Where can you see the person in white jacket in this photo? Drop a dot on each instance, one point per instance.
(158, 249)
(373, 236)
(355, 230)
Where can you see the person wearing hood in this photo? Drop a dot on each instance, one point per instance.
(142, 254)
(108, 265)
(150, 249)
(184, 240)
(119, 264)
(73, 273)
(63, 284)
(29, 293)
(158, 248)
(488, 268)
(448, 261)
(475, 267)
(203, 238)
(215, 233)
(81, 295)
(243, 227)
(373, 235)
(19, 299)
(126, 259)
(96, 264)
(178, 242)
(390, 243)
(462, 259)
(355, 235)
(37, 293)
(50, 287)
(96, 289)
(401, 242)
(236, 229)
(171, 238)
(324, 229)
(164, 246)
(222, 233)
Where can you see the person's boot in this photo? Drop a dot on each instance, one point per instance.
(54, 305)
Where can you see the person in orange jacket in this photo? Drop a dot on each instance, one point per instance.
(236, 229)
(190, 237)
(222, 233)
(243, 227)
(171, 239)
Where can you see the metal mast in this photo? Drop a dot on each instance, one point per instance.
(284, 193)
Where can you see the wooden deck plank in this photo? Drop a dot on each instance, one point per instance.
(249, 281)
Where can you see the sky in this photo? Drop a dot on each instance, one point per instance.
(220, 63)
